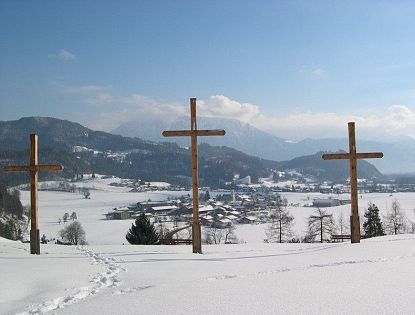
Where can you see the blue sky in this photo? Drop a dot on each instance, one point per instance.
(275, 64)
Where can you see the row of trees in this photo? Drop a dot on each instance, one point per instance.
(143, 232)
(321, 225)
(13, 216)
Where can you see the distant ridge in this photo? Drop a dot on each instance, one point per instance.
(148, 160)
(244, 137)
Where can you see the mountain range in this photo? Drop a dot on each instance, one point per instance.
(81, 150)
(398, 152)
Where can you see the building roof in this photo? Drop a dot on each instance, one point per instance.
(164, 208)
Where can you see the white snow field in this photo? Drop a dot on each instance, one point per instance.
(374, 277)
(106, 277)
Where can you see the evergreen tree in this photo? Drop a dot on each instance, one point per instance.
(207, 196)
(373, 225)
(143, 232)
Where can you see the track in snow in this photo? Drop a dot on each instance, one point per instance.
(106, 279)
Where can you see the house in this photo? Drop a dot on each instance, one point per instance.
(122, 214)
(231, 217)
(223, 223)
(322, 203)
(247, 220)
(146, 205)
(206, 220)
(163, 210)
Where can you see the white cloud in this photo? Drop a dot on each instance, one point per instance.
(86, 89)
(312, 71)
(393, 121)
(222, 106)
(63, 55)
(318, 72)
(100, 99)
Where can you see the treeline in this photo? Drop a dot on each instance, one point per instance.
(164, 162)
(13, 221)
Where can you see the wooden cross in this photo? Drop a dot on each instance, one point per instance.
(352, 156)
(34, 168)
(193, 133)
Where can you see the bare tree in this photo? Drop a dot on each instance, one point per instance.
(321, 224)
(395, 221)
(86, 193)
(343, 225)
(73, 233)
(279, 229)
(214, 234)
(73, 216)
(230, 234)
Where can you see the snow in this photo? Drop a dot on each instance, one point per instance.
(374, 277)
(107, 277)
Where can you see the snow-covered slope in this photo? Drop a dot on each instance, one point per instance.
(374, 277)
(106, 277)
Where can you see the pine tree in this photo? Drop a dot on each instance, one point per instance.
(143, 232)
(373, 225)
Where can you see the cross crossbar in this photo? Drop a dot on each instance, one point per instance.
(197, 133)
(347, 156)
(34, 168)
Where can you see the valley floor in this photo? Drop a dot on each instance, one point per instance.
(374, 277)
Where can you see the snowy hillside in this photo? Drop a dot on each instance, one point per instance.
(106, 277)
(374, 277)
(105, 197)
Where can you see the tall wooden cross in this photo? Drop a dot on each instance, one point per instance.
(352, 156)
(34, 168)
(193, 133)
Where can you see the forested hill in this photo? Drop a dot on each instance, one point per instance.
(334, 170)
(61, 135)
(83, 150)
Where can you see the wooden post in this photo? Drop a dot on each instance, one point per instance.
(352, 156)
(34, 231)
(34, 168)
(354, 219)
(196, 230)
(194, 133)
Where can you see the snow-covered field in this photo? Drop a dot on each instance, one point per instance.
(104, 198)
(374, 277)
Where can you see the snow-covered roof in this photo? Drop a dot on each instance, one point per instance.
(163, 208)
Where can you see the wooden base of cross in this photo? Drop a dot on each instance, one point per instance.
(34, 168)
(352, 156)
(193, 133)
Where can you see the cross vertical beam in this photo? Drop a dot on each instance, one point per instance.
(34, 168)
(194, 133)
(196, 230)
(354, 218)
(34, 225)
(352, 156)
